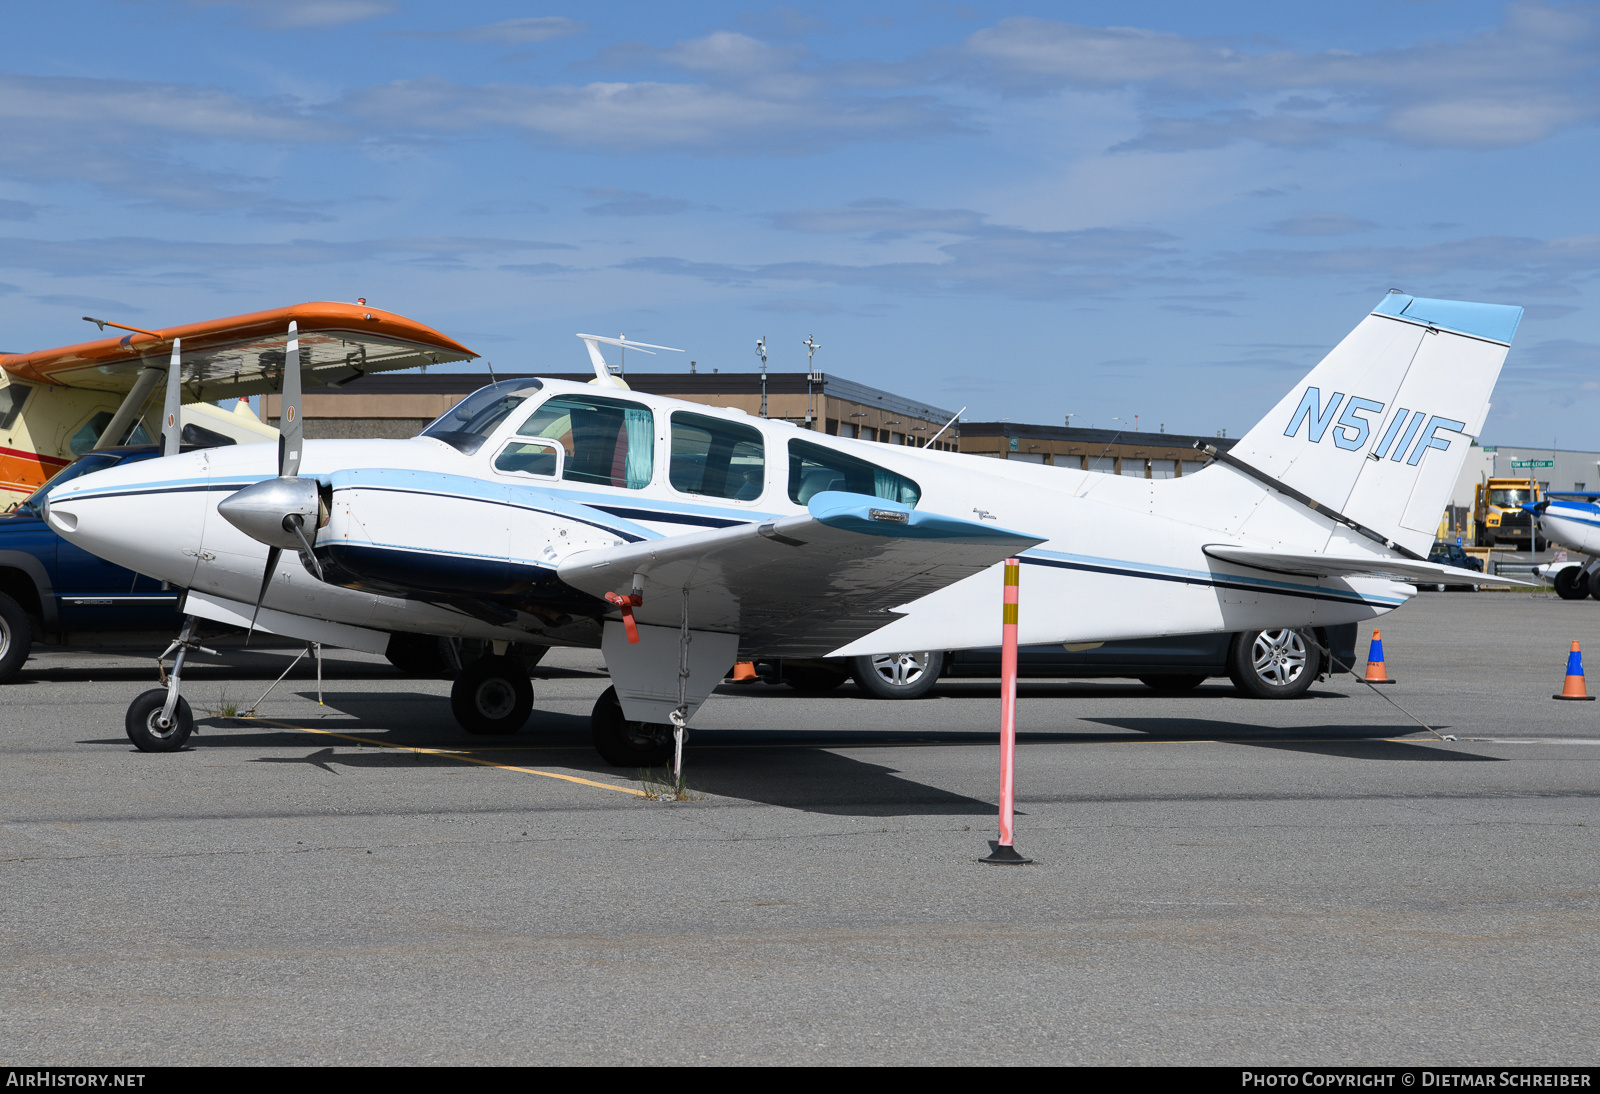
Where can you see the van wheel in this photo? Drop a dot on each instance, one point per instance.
(16, 638)
(1275, 664)
(897, 675)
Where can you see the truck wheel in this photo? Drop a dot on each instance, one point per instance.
(144, 727)
(1276, 664)
(624, 743)
(16, 638)
(1571, 584)
(897, 675)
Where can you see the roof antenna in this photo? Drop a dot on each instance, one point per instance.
(490, 363)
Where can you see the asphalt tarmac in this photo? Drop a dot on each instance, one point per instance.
(1218, 880)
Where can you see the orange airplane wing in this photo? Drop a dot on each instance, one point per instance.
(243, 354)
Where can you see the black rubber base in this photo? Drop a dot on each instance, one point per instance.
(1575, 698)
(1380, 683)
(1004, 856)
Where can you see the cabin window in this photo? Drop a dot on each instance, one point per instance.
(87, 437)
(468, 424)
(716, 458)
(814, 469)
(12, 396)
(530, 457)
(608, 442)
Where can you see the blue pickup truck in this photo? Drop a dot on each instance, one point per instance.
(51, 591)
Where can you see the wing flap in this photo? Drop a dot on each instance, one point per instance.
(803, 585)
(243, 354)
(1335, 566)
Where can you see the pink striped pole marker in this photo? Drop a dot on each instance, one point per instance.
(1002, 851)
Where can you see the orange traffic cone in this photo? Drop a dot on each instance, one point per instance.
(745, 673)
(1375, 670)
(1573, 688)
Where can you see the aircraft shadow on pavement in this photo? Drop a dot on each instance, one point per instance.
(1348, 742)
(771, 767)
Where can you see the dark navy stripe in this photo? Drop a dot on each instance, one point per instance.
(1320, 594)
(669, 518)
(628, 536)
(230, 487)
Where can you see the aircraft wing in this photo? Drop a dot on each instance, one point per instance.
(800, 586)
(243, 354)
(1393, 569)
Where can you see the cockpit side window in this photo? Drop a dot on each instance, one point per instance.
(608, 442)
(716, 457)
(814, 469)
(468, 424)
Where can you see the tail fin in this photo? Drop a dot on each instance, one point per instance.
(1379, 430)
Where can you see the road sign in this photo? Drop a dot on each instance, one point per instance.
(1523, 465)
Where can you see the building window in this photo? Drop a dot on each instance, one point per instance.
(1577, 486)
(814, 469)
(716, 458)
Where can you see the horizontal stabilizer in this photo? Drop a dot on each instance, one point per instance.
(1392, 569)
(803, 585)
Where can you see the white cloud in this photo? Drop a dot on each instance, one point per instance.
(509, 32)
(303, 14)
(1514, 84)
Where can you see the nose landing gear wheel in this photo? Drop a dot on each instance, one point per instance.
(492, 697)
(144, 723)
(625, 743)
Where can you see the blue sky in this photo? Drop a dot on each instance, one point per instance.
(1168, 210)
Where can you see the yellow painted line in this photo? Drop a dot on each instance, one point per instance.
(453, 754)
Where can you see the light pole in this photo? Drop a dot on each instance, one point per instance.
(812, 346)
(761, 352)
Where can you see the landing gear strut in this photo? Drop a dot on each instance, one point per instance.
(160, 719)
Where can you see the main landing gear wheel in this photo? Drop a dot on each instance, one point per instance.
(1571, 583)
(624, 743)
(1276, 664)
(492, 697)
(144, 723)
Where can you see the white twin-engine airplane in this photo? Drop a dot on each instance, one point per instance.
(678, 538)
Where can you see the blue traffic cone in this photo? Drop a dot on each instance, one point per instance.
(1375, 670)
(1573, 689)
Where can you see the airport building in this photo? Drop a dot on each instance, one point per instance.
(399, 404)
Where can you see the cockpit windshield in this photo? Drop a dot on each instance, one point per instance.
(468, 424)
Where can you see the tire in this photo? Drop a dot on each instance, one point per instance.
(1172, 683)
(897, 675)
(1571, 584)
(624, 743)
(16, 638)
(814, 679)
(416, 654)
(492, 697)
(144, 729)
(1274, 664)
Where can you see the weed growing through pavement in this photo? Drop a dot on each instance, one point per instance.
(225, 707)
(660, 786)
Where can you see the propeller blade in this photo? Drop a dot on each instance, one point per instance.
(171, 429)
(307, 555)
(266, 579)
(291, 430)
